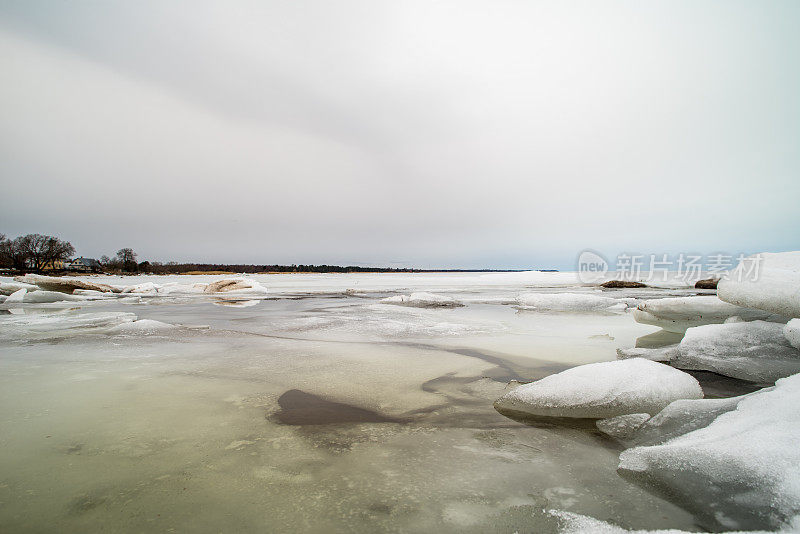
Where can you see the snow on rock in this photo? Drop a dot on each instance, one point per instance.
(423, 300)
(622, 427)
(239, 285)
(603, 390)
(676, 314)
(65, 285)
(568, 302)
(742, 471)
(792, 333)
(141, 327)
(757, 351)
(771, 283)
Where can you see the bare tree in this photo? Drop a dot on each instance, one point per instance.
(127, 257)
(39, 250)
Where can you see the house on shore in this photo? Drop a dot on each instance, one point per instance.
(84, 265)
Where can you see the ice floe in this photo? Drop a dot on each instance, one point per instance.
(741, 471)
(771, 283)
(141, 327)
(235, 285)
(603, 390)
(569, 302)
(757, 351)
(45, 325)
(63, 284)
(676, 314)
(422, 299)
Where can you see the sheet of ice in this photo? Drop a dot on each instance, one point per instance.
(771, 283)
(64, 284)
(42, 297)
(423, 299)
(58, 324)
(792, 333)
(742, 471)
(568, 302)
(603, 390)
(676, 314)
(757, 351)
(572, 523)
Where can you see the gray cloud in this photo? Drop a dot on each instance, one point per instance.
(500, 134)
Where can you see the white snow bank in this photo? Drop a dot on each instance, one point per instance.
(568, 302)
(676, 314)
(792, 333)
(757, 351)
(603, 390)
(775, 287)
(423, 300)
(141, 327)
(741, 471)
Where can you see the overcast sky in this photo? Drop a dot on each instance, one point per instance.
(433, 134)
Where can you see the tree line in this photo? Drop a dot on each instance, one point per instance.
(37, 252)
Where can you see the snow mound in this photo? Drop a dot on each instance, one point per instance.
(568, 302)
(676, 314)
(775, 287)
(147, 288)
(742, 471)
(141, 327)
(757, 351)
(423, 300)
(792, 333)
(603, 390)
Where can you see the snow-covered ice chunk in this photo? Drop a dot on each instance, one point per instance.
(676, 314)
(147, 288)
(679, 418)
(422, 299)
(603, 390)
(572, 523)
(771, 283)
(757, 351)
(7, 288)
(622, 427)
(63, 284)
(568, 302)
(49, 325)
(16, 297)
(235, 285)
(141, 327)
(792, 333)
(742, 471)
(41, 296)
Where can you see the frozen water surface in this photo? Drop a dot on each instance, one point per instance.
(308, 406)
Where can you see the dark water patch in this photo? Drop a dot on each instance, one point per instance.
(717, 386)
(299, 408)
